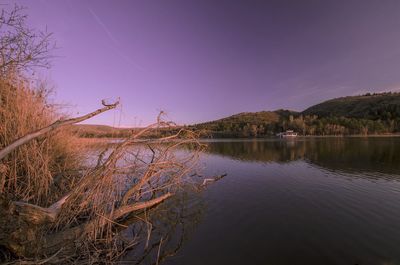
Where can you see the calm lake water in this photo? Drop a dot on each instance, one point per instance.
(303, 201)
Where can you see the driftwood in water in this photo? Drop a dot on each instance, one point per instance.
(211, 180)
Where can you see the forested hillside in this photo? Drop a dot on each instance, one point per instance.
(382, 106)
(365, 114)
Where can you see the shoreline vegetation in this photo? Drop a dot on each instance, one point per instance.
(365, 115)
(57, 204)
(89, 140)
(106, 141)
(205, 135)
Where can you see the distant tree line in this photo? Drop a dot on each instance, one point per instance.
(382, 119)
(377, 113)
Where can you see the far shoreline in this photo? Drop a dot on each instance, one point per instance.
(96, 140)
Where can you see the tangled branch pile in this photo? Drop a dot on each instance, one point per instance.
(133, 175)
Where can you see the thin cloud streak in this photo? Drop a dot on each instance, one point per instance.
(114, 41)
(100, 22)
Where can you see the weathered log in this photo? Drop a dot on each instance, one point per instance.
(16, 226)
(21, 222)
(70, 237)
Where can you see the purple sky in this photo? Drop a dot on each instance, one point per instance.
(203, 60)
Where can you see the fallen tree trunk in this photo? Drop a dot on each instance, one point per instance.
(68, 238)
(21, 225)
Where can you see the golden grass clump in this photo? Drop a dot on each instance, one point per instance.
(29, 172)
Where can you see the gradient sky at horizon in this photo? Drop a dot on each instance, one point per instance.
(204, 60)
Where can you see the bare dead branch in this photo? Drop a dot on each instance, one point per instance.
(8, 149)
(22, 48)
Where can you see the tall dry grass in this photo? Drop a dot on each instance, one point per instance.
(42, 167)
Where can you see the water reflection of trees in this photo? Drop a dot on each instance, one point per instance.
(264, 151)
(347, 154)
(171, 224)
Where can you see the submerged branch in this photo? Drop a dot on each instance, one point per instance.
(139, 206)
(210, 180)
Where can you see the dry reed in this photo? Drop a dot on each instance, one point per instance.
(30, 172)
